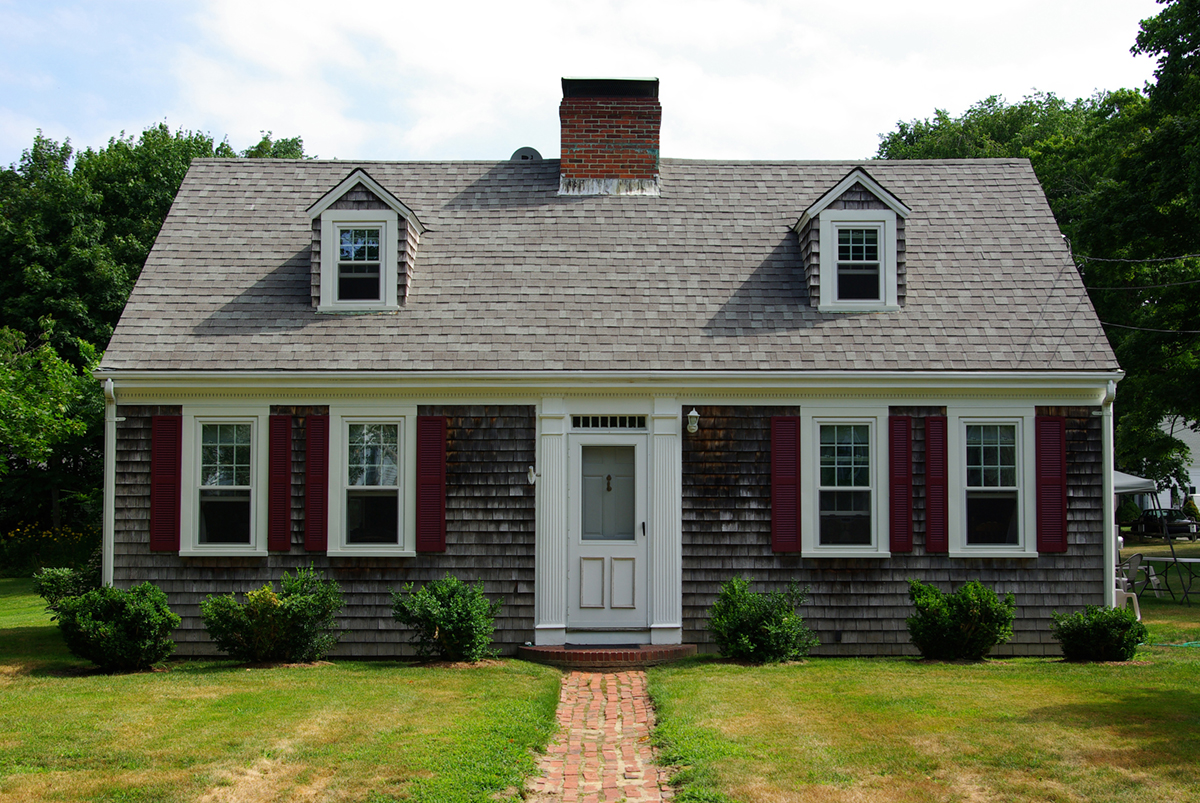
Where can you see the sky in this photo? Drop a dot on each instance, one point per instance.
(739, 79)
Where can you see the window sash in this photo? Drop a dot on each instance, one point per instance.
(225, 487)
(845, 490)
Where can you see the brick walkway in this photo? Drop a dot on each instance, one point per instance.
(602, 753)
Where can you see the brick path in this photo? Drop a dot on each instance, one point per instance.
(602, 754)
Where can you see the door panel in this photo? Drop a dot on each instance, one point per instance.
(624, 592)
(591, 582)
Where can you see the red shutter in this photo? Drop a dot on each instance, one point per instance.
(900, 463)
(431, 483)
(937, 512)
(166, 465)
(785, 483)
(1051, 441)
(316, 490)
(279, 485)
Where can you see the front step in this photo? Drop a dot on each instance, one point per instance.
(617, 656)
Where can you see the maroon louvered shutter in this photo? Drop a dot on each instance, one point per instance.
(937, 511)
(279, 484)
(1051, 442)
(431, 483)
(166, 465)
(900, 465)
(316, 491)
(785, 483)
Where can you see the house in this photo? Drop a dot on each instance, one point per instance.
(605, 384)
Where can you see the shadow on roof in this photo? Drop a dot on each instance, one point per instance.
(280, 301)
(774, 298)
(511, 184)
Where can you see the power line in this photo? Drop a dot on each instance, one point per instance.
(1145, 286)
(1159, 331)
(1156, 259)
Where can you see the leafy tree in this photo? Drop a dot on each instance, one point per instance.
(1121, 171)
(75, 231)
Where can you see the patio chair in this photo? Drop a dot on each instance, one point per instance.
(1121, 598)
(1127, 576)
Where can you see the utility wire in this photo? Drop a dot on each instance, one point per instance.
(1159, 331)
(1145, 286)
(1156, 259)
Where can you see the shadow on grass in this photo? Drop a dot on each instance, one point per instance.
(1160, 721)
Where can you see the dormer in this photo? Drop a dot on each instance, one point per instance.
(852, 243)
(364, 245)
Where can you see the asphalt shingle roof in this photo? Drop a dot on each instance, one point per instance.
(707, 276)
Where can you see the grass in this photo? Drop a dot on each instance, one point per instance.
(903, 730)
(215, 731)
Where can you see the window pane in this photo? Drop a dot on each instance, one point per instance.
(845, 455)
(991, 455)
(225, 454)
(858, 284)
(992, 517)
(845, 518)
(372, 517)
(373, 454)
(224, 517)
(354, 286)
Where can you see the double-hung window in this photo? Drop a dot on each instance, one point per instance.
(372, 491)
(858, 264)
(845, 485)
(358, 264)
(359, 260)
(992, 492)
(858, 260)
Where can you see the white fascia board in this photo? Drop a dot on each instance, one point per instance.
(856, 176)
(360, 176)
(900, 384)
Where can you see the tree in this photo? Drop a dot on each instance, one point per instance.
(1121, 171)
(75, 231)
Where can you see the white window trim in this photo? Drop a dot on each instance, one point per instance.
(956, 447)
(189, 507)
(341, 417)
(885, 220)
(388, 223)
(810, 483)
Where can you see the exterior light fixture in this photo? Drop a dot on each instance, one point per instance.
(693, 421)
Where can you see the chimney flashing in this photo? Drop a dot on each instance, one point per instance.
(610, 136)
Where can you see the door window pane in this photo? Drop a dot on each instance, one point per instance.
(608, 493)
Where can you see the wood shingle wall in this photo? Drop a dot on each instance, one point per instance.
(490, 534)
(858, 606)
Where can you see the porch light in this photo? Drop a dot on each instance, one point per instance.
(693, 421)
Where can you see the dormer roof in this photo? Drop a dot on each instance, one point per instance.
(361, 176)
(856, 176)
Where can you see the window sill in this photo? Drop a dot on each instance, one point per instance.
(370, 552)
(992, 552)
(817, 552)
(356, 309)
(858, 307)
(222, 551)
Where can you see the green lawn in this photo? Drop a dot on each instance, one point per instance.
(214, 731)
(901, 730)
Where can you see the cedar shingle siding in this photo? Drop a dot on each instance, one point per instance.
(489, 533)
(727, 532)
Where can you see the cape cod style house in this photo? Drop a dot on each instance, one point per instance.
(605, 384)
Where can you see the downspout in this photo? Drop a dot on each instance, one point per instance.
(110, 480)
(1110, 513)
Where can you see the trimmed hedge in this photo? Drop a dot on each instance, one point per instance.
(1099, 634)
(293, 626)
(964, 625)
(762, 628)
(119, 630)
(450, 619)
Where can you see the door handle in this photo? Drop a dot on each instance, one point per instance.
(609, 479)
(643, 529)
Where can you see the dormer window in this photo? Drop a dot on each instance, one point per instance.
(358, 265)
(364, 244)
(852, 239)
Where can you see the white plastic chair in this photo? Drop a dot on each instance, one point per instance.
(1127, 575)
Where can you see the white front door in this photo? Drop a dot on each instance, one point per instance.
(606, 564)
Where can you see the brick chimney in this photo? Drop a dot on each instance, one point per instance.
(609, 136)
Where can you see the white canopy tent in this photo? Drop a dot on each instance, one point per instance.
(1128, 484)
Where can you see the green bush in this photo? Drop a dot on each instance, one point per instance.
(56, 584)
(118, 630)
(1190, 510)
(450, 619)
(1128, 512)
(760, 627)
(294, 626)
(962, 625)
(1099, 634)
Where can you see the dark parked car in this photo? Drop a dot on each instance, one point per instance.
(1151, 523)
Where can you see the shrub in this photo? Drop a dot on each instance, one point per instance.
(962, 625)
(760, 627)
(1190, 510)
(1099, 634)
(56, 584)
(118, 630)
(450, 619)
(1128, 512)
(295, 625)
(28, 547)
